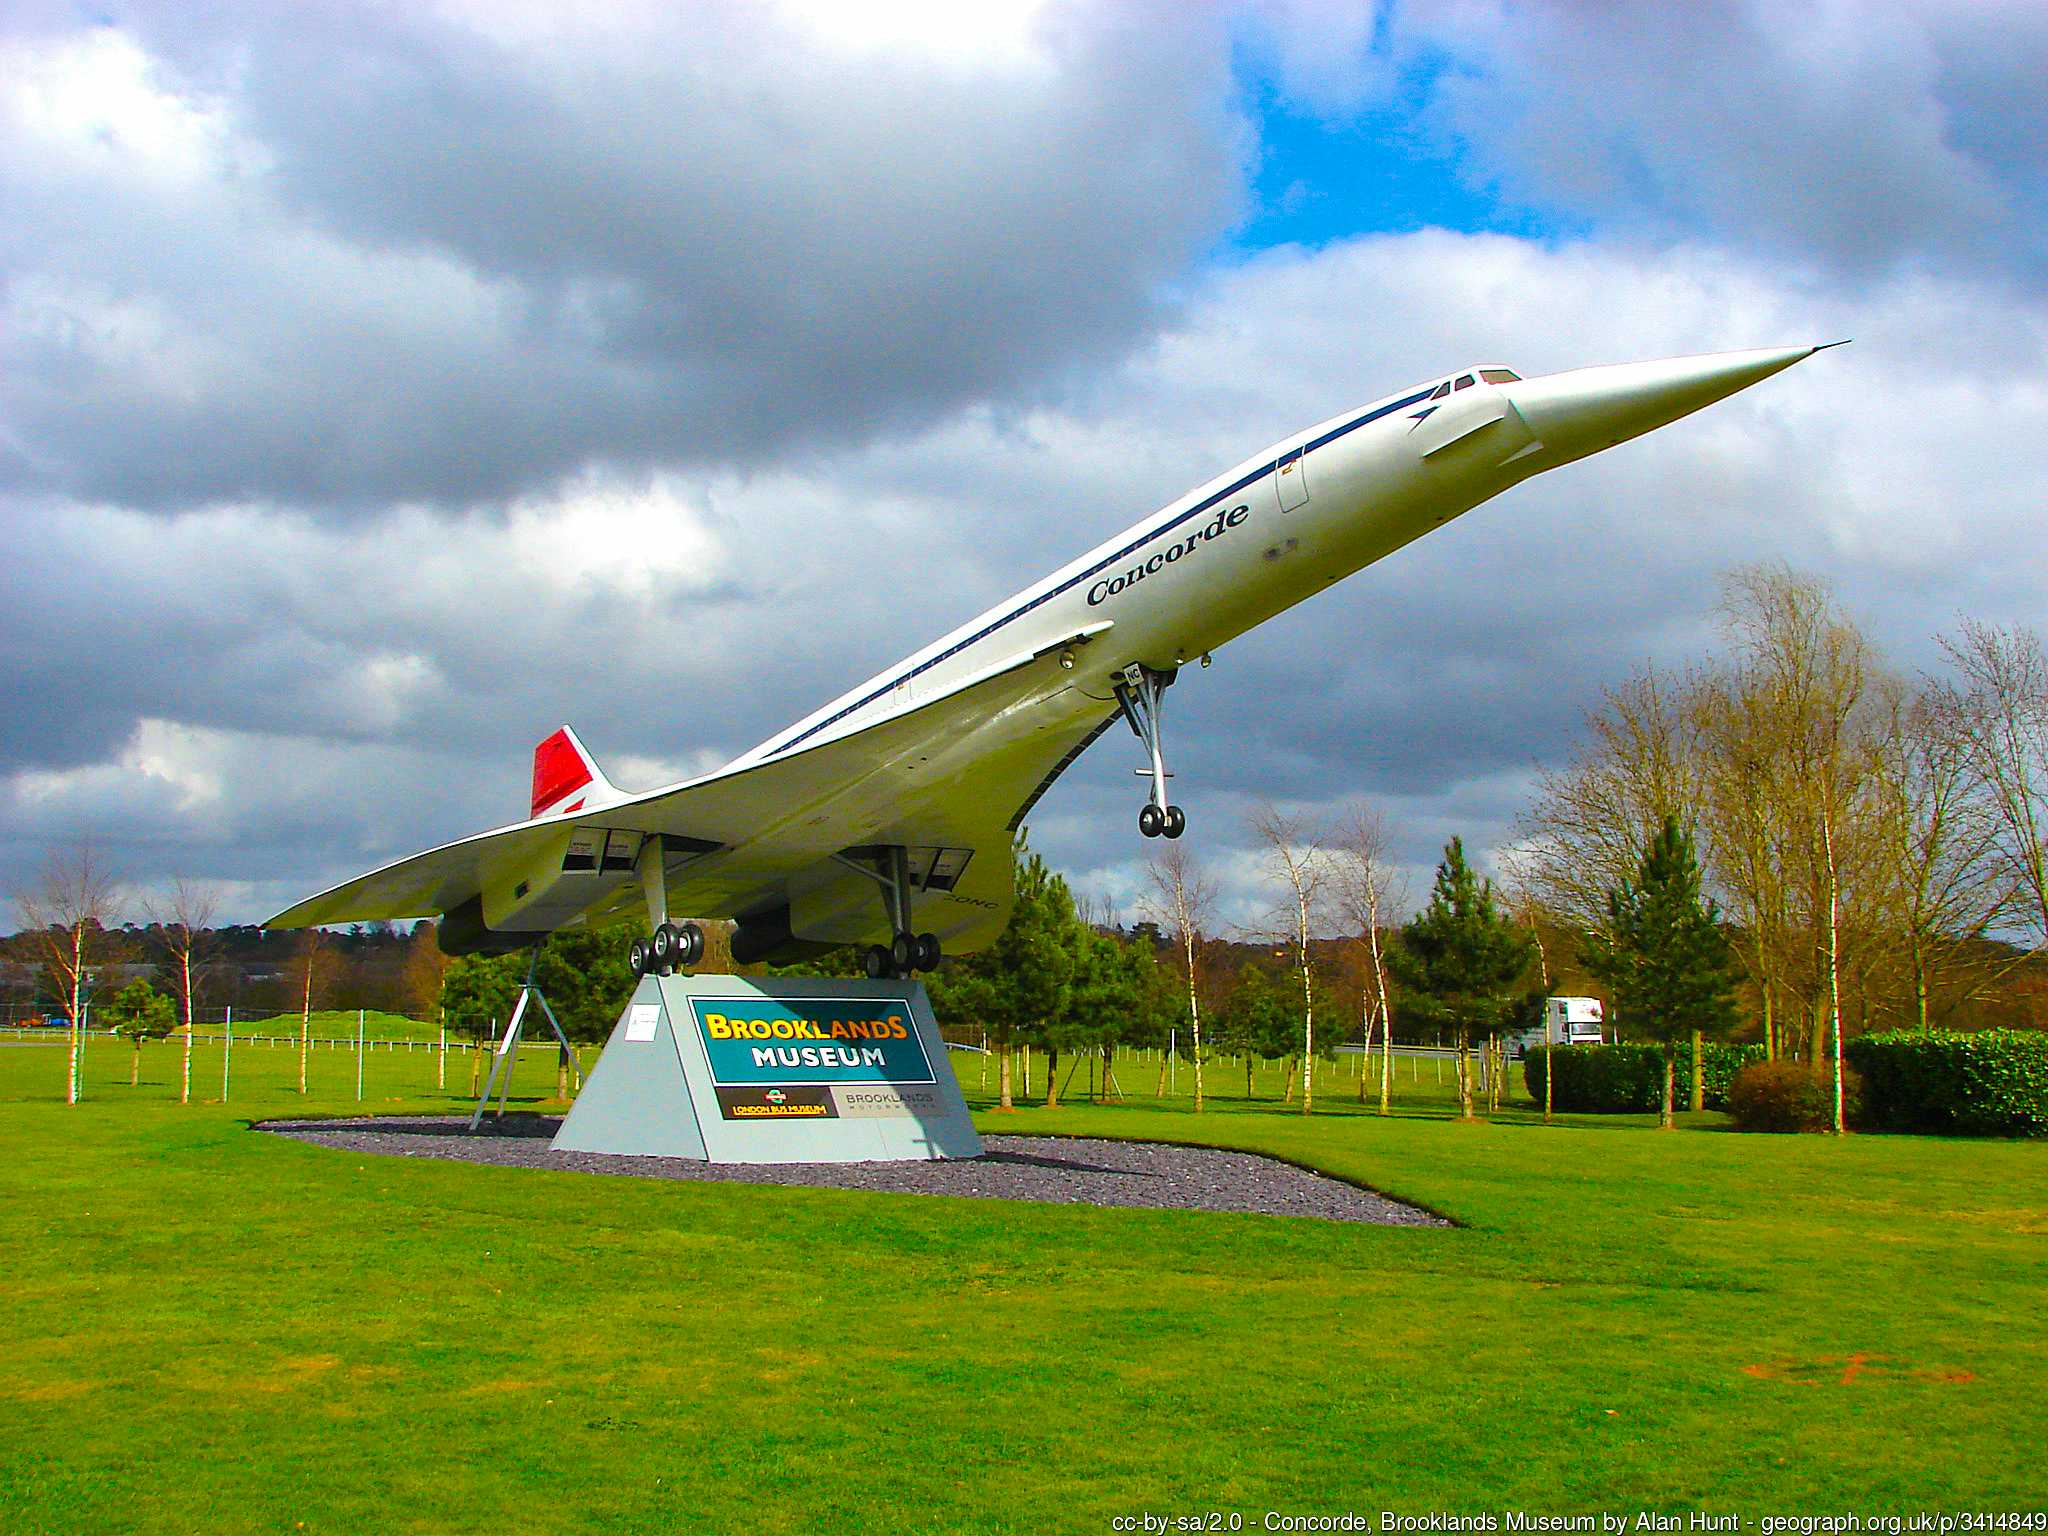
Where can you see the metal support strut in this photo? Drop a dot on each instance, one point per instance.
(669, 947)
(507, 1050)
(906, 951)
(1141, 692)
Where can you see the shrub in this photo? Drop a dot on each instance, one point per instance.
(1993, 1083)
(138, 1009)
(1792, 1096)
(1629, 1079)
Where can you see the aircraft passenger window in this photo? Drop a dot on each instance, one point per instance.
(1464, 381)
(1500, 376)
(1442, 390)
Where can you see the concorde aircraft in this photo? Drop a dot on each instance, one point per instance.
(885, 818)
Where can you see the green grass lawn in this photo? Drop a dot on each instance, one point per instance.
(213, 1330)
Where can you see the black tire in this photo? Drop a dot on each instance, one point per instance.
(662, 949)
(902, 953)
(875, 960)
(636, 957)
(1151, 821)
(692, 949)
(1176, 821)
(927, 956)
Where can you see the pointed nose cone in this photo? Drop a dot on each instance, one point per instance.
(1588, 409)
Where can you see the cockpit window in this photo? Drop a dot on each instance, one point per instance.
(1500, 376)
(1442, 390)
(1464, 381)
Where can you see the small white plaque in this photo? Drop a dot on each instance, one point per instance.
(640, 1026)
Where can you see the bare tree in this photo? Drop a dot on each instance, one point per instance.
(1795, 725)
(1945, 884)
(1814, 673)
(419, 979)
(316, 969)
(69, 910)
(1594, 819)
(1181, 899)
(1364, 883)
(1295, 858)
(2003, 715)
(185, 914)
(1748, 836)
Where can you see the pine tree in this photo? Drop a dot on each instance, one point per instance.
(1664, 955)
(1116, 998)
(1023, 979)
(1094, 1008)
(141, 1013)
(1461, 957)
(1260, 1020)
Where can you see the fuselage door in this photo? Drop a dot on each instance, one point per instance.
(1290, 479)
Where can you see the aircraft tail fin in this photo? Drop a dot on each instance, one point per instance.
(565, 778)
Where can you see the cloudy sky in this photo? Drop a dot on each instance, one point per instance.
(381, 386)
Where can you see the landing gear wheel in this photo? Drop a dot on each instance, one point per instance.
(689, 944)
(663, 948)
(1176, 821)
(637, 957)
(927, 956)
(875, 961)
(902, 952)
(1151, 821)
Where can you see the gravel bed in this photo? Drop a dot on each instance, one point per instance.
(1060, 1169)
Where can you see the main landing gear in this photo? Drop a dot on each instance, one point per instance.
(902, 955)
(1140, 692)
(907, 952)
(672, 947)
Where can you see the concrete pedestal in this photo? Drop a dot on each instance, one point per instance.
(735, 1069)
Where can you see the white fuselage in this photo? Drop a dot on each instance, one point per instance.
(1222, 558)
(1304, 513)
(942, 755)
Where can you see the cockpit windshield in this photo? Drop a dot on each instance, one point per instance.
(1483, 376)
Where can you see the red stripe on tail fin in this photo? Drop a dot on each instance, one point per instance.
(559, 770)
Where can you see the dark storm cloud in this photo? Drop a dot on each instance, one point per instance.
(400, 257)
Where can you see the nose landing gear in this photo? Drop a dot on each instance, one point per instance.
(1154, 822)
(1140, 692)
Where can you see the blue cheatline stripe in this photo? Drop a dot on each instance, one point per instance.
(1101, 565)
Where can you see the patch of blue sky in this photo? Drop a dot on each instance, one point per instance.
(1383, 165)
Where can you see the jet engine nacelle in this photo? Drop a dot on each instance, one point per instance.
(765, 937)
(464, 932)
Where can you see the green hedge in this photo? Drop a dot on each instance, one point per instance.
(1993, 1083)
(1629, 1079)
(1793, 1095)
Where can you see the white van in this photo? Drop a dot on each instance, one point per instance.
(1566, 1021)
